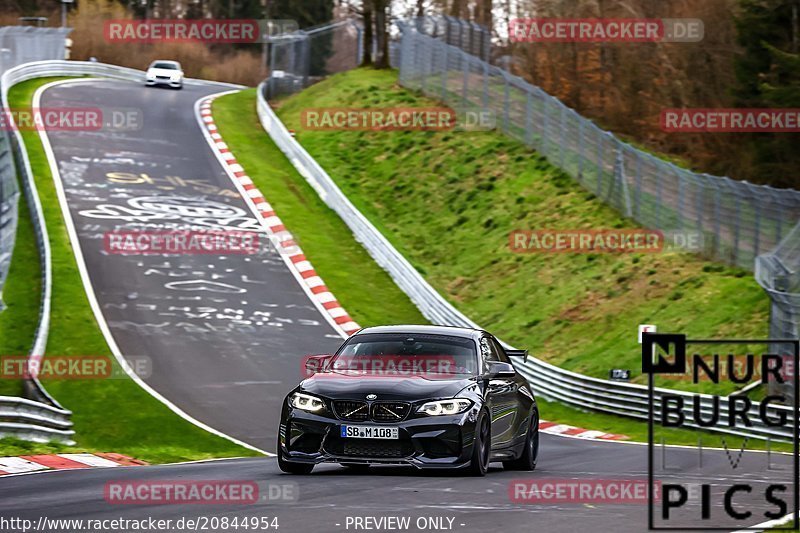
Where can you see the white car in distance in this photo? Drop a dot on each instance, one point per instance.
(163, 72)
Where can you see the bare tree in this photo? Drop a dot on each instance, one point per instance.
(483, 13)
(381, 8)
(368, 35)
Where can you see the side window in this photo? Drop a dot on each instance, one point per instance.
(488, 351)
(498, 349)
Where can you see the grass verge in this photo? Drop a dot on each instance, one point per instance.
(448, 201)
(113, 415)
(372, 298)
(363, 288)
(22, 294)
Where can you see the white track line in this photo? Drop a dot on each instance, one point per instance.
(87, 284)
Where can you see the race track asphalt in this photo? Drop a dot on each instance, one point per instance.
(225, 336)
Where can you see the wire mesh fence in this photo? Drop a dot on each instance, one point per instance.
(18, 45)
(739, 223)
(298, 59)
(470, 37)
(737, 220)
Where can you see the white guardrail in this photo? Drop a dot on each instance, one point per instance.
(548, 381)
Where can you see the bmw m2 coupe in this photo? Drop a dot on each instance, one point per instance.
(427, 396)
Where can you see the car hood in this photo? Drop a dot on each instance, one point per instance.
(356, 386)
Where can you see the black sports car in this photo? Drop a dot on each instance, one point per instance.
(427, 396)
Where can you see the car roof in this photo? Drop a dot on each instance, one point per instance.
(453, 331)
(165, 61)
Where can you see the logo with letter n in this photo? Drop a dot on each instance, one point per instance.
(663, 353)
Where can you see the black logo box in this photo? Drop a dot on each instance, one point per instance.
(649, 367)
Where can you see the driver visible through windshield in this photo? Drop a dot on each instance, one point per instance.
(429, 356)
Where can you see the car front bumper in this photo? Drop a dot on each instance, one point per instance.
(424, 442)
(164, 81)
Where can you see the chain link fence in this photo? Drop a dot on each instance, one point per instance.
(778, 272)
(470, 37)
(741, 224)
(750, 226)
(18, 45)
(301, 58)
(737, 220)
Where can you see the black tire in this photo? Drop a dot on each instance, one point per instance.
(527, 461)
(481, 446)
(290, 467)
(356, 468)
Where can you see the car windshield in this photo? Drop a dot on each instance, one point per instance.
(165, 65)
(404, 354)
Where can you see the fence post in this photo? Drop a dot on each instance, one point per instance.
(506, 103)
(757, 235)
(529, 118)
(658, 201)
(360, 45)
(444, 48)
(485, 96)
(465, 83)
(563, 141)
(638, 194)
(545, 126)
(599, 188)
(717, 239)
(581, 157)
(622, 182)
(426, 64)
(680, 198)
(737, 228)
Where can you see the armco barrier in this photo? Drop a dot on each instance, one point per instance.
(41, 417)
(548, 381)
(36, 421)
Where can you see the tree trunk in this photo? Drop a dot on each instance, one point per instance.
(420, 8)
(382, 33)
(458, 9)
(367, 60)
(483, 15)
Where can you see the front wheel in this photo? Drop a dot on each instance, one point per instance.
(527, 461)
(481, 446)
(290, 467)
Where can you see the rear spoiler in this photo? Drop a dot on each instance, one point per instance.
(518, 353)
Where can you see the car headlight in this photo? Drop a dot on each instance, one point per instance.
(176, 77)
(306, 402)
(150, 75)
(445, 407)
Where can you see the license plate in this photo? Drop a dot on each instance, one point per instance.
(369, 432)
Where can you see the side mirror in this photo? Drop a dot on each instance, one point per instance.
(501, 370)
(316, 363)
